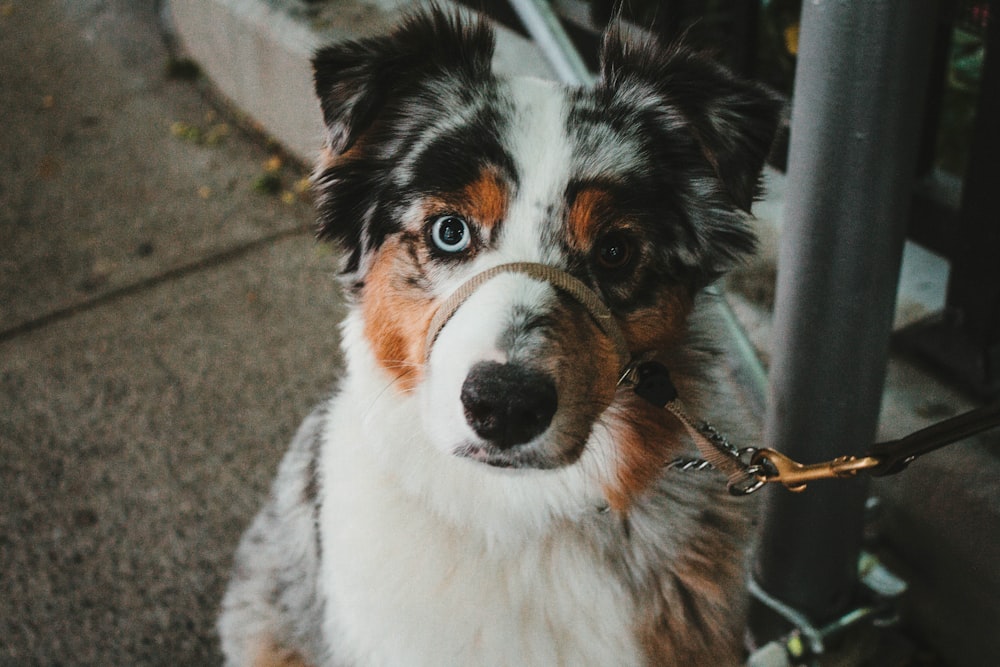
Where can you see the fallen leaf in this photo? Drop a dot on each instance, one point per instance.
(267, 184)
(49, 167)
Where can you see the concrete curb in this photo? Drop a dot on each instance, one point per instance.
(256, 52)
(259, 59)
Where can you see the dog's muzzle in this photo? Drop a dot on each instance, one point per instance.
(555, 277)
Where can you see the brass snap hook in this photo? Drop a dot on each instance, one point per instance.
(776, 467)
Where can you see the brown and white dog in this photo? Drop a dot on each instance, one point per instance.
(493, 498)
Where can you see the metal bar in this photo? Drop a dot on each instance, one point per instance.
(862, 71)
(544, 27)
(974, 285)
(964, 341)
(745, 366)
(744, 29)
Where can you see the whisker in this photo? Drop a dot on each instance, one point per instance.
(389, 385)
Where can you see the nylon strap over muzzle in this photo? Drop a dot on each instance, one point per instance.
(545, 273)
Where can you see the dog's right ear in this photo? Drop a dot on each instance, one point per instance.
(371, 89)
(355, 80)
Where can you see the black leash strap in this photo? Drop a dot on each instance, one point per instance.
(895, 455)
(884, 458)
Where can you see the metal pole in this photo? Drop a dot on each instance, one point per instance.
(862, 70)
(544, 27)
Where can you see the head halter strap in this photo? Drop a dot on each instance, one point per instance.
(650, 379)
(549, 274)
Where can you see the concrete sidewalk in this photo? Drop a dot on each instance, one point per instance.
(165, 324)
(163, 328)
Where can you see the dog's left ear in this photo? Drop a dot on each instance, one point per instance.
(732, 119)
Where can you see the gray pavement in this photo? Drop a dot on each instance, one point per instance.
(164, 326)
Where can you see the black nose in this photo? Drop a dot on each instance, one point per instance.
(508, 404)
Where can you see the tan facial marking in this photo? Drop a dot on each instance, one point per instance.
(484, 201)
(397, 314)
(660, 325)
(588, 209)
(647, 436)
(486, 198)
(586, 366)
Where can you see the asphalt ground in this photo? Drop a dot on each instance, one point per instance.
(164, 325)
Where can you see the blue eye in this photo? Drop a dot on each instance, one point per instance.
(451, 234)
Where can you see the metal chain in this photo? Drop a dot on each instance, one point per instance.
(745, 474)
(688, 464)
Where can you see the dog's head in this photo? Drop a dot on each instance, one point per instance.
(437, 169)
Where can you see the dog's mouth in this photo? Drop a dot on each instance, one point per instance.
(524, 458)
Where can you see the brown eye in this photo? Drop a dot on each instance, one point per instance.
(614, 251)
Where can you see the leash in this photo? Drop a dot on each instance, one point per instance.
(751, 468)
(748, 469)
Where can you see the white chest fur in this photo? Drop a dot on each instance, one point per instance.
(407, 585)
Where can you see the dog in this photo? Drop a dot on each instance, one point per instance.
(480, 489)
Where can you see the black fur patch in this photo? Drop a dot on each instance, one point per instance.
(357, 81)
(377, 95)
(699, 137)
(733, 119)
(456, 158)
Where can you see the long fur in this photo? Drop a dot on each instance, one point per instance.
(416, 520)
